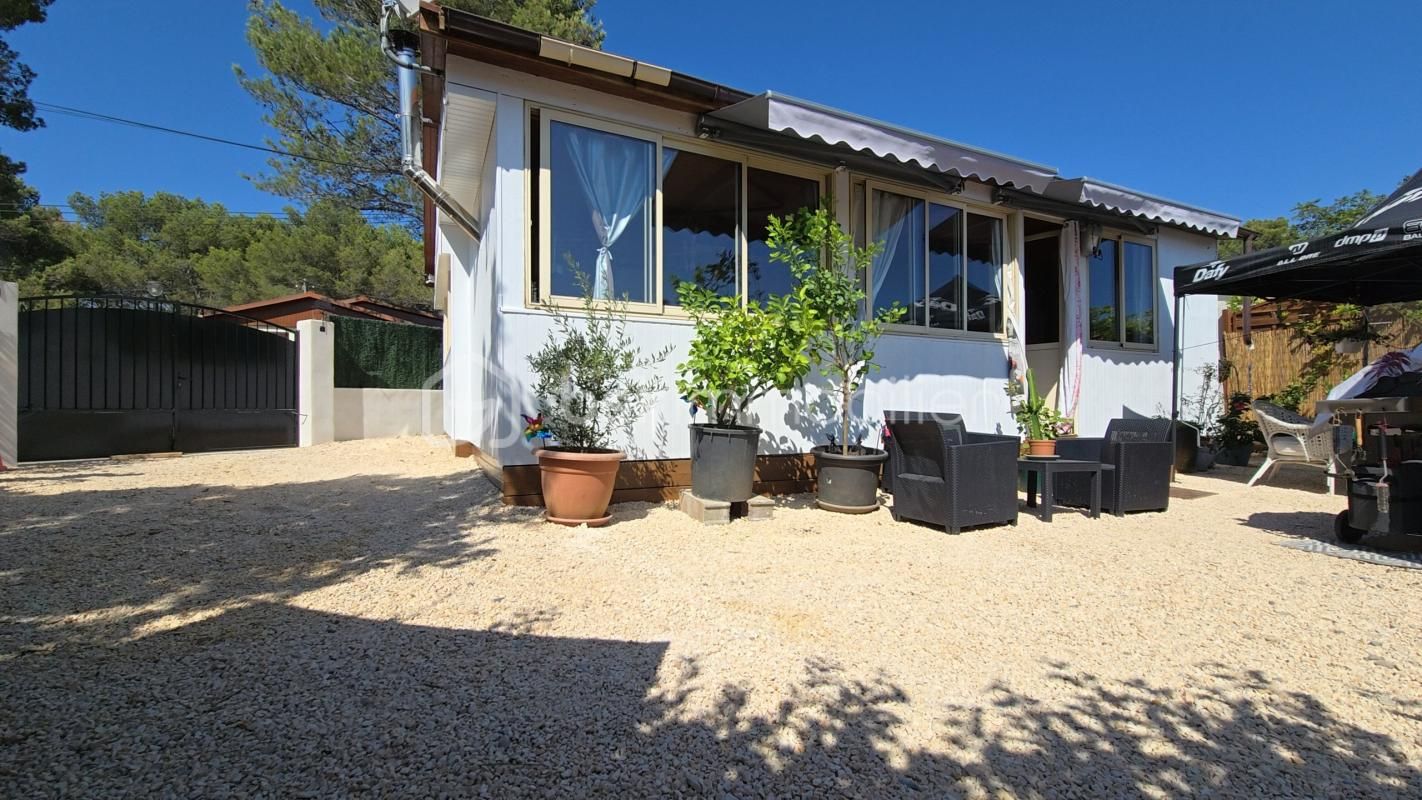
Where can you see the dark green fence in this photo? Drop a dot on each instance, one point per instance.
(387, 355)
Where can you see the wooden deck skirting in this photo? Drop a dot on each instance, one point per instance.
(661, 480)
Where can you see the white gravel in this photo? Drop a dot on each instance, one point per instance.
(364, 619)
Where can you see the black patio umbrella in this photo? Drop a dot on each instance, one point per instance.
(1378, 260)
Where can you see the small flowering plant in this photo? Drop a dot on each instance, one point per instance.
(1234, 428)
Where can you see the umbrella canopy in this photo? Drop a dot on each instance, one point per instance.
(1378, 260)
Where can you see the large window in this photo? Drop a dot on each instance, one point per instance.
(701, 199)
(601, 194)
(1122, 294)
(633, 217)
(771, 194)
(942, 263)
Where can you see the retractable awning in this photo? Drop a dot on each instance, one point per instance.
(1099, 194)
(801, 119)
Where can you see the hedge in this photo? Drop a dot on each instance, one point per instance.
(387, 355)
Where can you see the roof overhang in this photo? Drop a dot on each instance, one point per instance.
(800, 119)
(1118, 199)
(469, 120)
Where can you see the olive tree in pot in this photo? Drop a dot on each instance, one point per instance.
(738, 354)
(830, 273)
(586, 393)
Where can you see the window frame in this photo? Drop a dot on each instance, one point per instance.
(745, 159)
(546, 118)
(1119, 343)
(1005, 246)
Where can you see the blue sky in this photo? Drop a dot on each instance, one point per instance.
(1245, 108)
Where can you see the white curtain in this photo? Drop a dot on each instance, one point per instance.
(896, 207)
(614, 173)
(1073, 266)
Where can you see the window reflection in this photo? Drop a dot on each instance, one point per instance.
(770, 193)
(700, 202)
(1103, 292)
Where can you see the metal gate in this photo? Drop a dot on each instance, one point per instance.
(102, 376)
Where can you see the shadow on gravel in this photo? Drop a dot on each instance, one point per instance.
(271, 699)
(98, 565)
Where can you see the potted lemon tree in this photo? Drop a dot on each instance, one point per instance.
(587, 391)
(841, 335)
(738, 354)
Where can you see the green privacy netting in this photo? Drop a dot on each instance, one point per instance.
(387, 355)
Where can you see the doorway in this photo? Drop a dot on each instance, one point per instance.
(1041, 254)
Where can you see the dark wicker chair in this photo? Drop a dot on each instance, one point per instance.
(891, 417)
(947, 476)
(1143, 455)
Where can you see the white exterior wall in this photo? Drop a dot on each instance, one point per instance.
(384, 413)
(487, 380)
(9, 374)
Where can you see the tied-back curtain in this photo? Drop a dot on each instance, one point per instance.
(889, 206)
(612, 172)
(1073, 298)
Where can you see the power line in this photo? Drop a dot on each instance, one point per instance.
(97, 117)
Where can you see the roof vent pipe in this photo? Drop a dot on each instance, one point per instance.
(400, 46)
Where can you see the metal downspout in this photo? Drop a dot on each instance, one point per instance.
(400, 47)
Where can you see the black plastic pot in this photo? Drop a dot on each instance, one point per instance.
(848, 484)
(1237, 456)
(1187, 448)
(723, 461)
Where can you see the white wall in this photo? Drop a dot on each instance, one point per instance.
(316, 378)
(383, 413)
(327, 413)
(9, 373)
(495, 332)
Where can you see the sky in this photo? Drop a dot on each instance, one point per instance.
(1241, 107)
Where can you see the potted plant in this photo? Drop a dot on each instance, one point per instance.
(1036, 419)
(738, 354)
(586, 393)
(1236, 434)
(830, 278)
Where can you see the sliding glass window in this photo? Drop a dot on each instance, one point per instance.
(942, 263)
(1122, 294)
(701, 200)
(601, 194)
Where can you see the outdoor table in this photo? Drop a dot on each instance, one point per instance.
(1048, 467)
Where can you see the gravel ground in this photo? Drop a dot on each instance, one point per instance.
(364, 619)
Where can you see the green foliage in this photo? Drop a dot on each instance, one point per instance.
(739, 353)
(1036, 418)
(1308, 220)
(197, 252)
(830, 272)
(29, 235)
(330, 94)
(16, 109)
(586, 390)
(1234, 429)
(370, 354)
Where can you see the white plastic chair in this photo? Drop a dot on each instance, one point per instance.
(1292, 439)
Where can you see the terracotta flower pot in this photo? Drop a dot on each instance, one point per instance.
(1041, 447)
(577, 485)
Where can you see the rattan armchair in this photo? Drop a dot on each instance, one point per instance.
(946, 476)
(1143, 455)
(1292, 439)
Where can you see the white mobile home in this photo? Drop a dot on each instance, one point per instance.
(570, 158)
